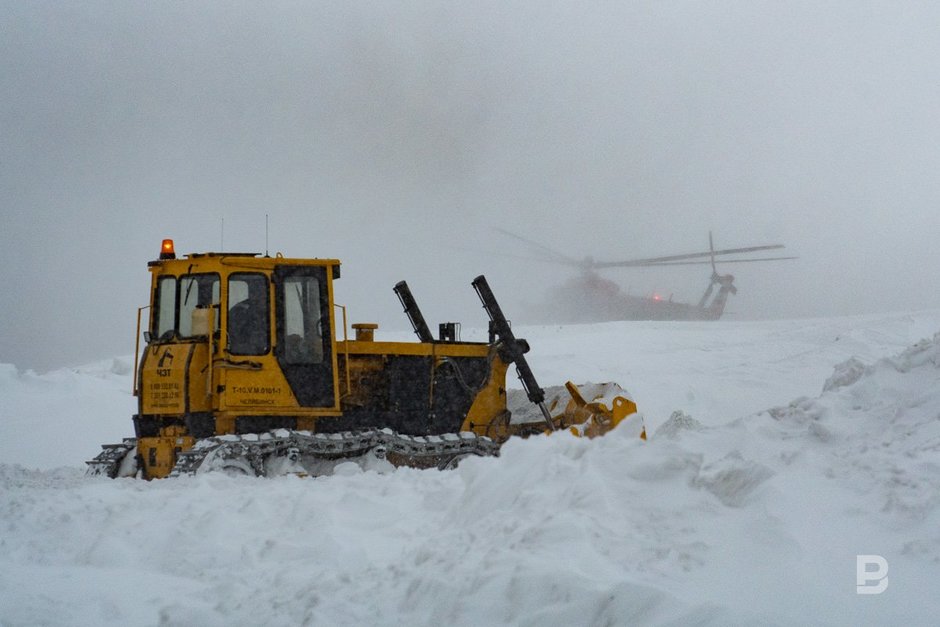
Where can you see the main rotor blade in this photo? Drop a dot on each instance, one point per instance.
(705, 263)
(659, 260)
(711, 251)
(550, 254)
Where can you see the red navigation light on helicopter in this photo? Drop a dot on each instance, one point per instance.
(166, 250)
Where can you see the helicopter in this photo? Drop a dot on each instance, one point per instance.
(589, 297)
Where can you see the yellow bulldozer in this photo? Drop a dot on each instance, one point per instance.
(248, 367)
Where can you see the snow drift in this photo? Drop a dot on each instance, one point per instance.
(722, 517)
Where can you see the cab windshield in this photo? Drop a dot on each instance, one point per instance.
(177, 298)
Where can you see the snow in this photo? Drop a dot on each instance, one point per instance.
(778, 452)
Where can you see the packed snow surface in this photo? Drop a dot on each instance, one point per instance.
(778, 452)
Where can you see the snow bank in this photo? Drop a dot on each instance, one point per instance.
(63, 417)
(718, 519)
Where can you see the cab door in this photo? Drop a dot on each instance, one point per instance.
(304, 345)
(250, 381)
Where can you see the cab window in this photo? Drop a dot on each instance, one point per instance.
(164, 309)
(177, 298)
(303, 311)
(248, 322)
(196, 290)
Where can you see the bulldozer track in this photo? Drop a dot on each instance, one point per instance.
(108, 461)
(254, 452)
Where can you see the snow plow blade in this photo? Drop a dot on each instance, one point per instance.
(608, 406)
(586, 410)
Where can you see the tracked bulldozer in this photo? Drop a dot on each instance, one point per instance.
(248, 367)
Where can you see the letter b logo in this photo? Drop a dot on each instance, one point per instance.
(864, 574)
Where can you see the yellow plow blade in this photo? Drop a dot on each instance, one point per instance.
(609, 405)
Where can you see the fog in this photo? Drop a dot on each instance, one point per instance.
(397, 137)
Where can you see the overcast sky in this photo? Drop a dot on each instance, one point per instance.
(397, 136)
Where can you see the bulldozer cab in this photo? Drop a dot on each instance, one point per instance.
(238, 343)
